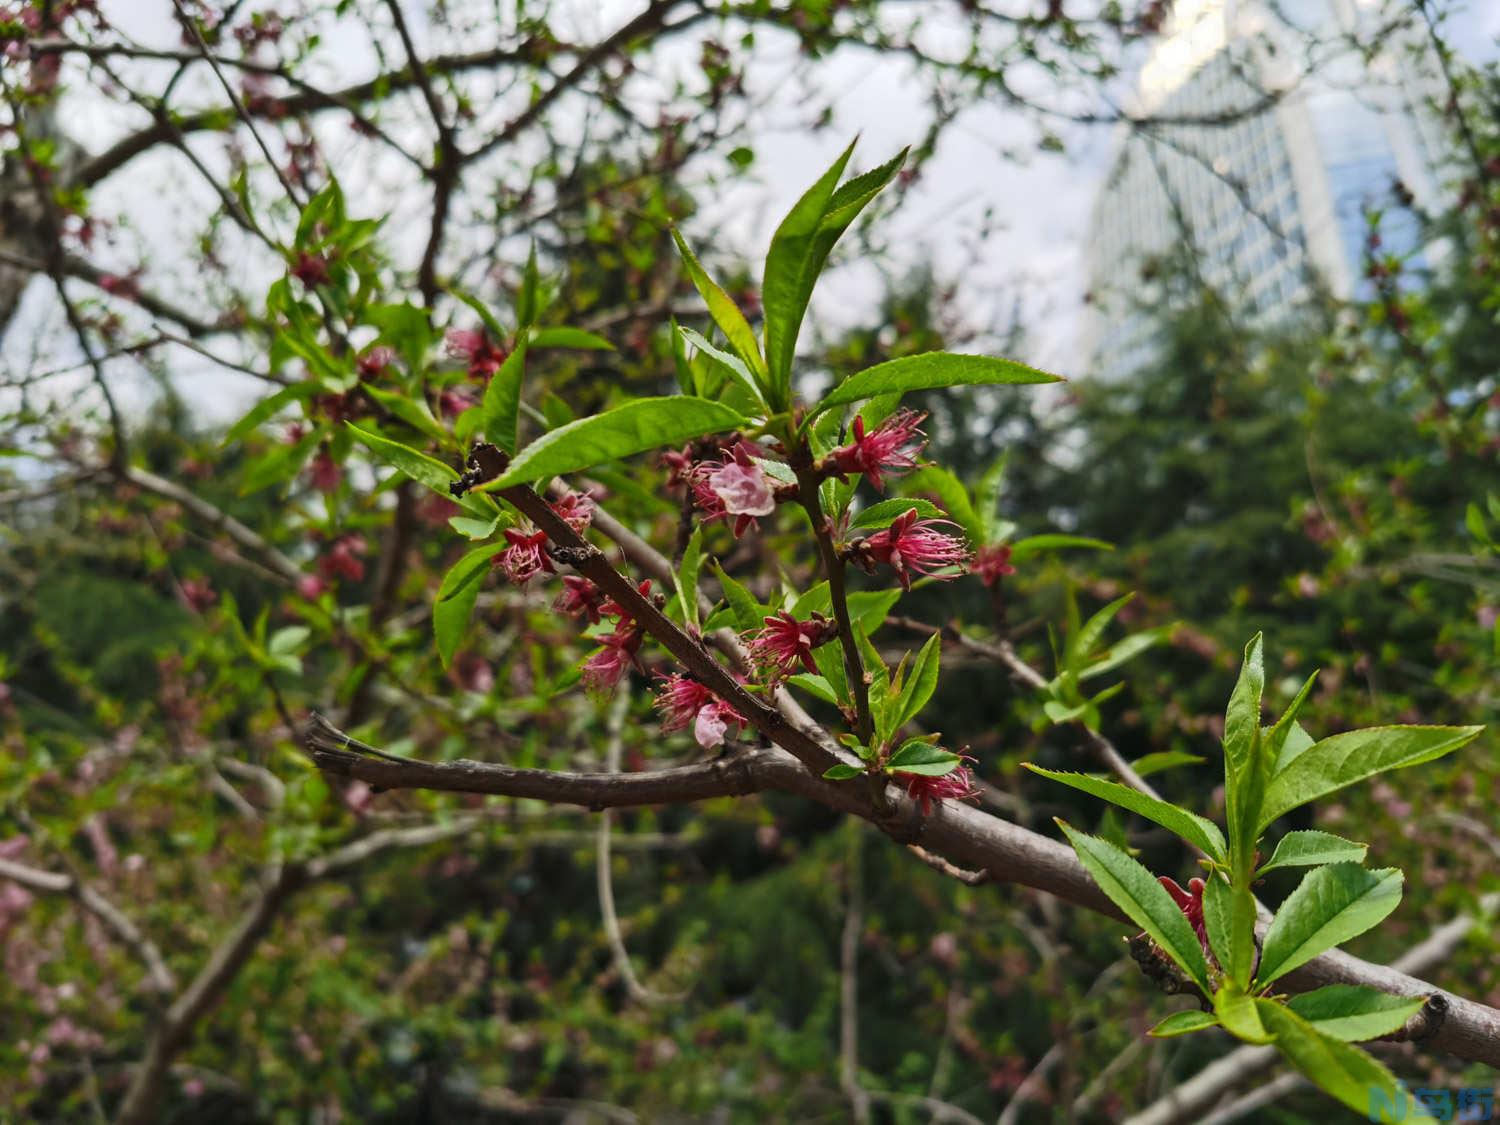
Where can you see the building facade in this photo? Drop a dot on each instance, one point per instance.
(1260, 147)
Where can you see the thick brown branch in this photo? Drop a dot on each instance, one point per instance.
(961, 835)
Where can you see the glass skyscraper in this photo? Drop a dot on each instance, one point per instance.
(1262, 146)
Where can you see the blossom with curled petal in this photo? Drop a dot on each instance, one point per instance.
(580, 598)
(993, 563)
(685, 702)
(372, 362)
(576, 509)
(892, 447)
(785, 643)
(613, 609)
(734, 487)
(912, 546)
(526, 557)
(956, 785)
(475, 348)
(616, 654)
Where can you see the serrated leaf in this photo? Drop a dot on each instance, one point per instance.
(732, 365)
(1086, 638)
(1242, 717)
(1229, 918)
(1311, 848)
(799, 248)
(421, 468)
(1331, 905)
(1202, 834)
(724, 313)
(929, 371)
(1144, 901)
(1345, 1072)
(634, 427)
(1352, 1012)
(1333, 763)
(1182, 1023)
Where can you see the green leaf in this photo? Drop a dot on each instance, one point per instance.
(987, 499)
(1144, 901)
(578, 338)
(1242, 718)
(731, 364)
(1086, 639)
(421, 468)
(484, 314)
(886, 512)
(815, 686)
(456, 597)
(1331, 905)
(842, 772)
(1157, 761)
(951, 494)
(920, 757)
(1311, 849)
(266, 409)
(631, 428)
(1238, 1014)
(1229, 917)
(1202, 834)
(1181, 1023)
(288, 640)
(1296, 742)
(1286, 727)
(725, 313)
(528, 299)
(798, 251)
(1332, 763)
(830, 661)
(749, 614)
(686, 576)
(410, 409)
(500, 413)
(1345, 1072)
(928, 371)
(1032, 544)
(920, 683)
(1352, 1012)
(471, 528)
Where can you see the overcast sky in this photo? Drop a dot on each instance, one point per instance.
(987, 165)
